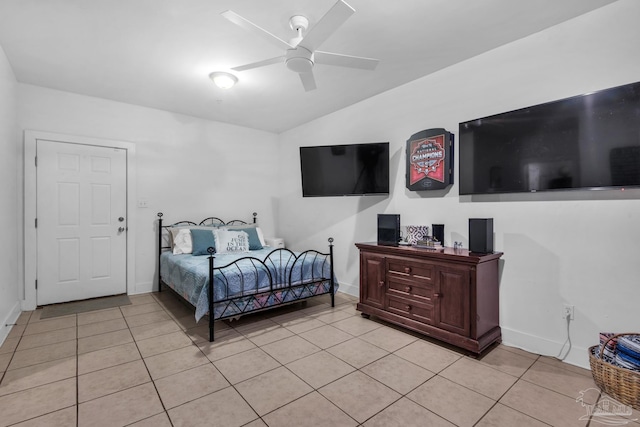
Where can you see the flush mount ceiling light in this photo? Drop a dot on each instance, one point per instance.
(223, 80)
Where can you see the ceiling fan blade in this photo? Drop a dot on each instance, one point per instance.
(269, 61)
(328, 58)
(308, 81)
(331, 21)
(253, 28)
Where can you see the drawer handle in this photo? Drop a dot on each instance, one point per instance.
(407, 307)
(407, 270)
(381, 283)
(407, 289)
(437, 295)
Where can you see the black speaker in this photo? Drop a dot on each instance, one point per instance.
(481, 235)
(388, 229)
(437, 231)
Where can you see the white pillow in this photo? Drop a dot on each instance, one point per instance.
(173, 232)
(231, 241)
(182, 243)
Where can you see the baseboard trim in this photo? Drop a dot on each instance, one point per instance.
(577, 356)
(349, 289)
(9, 321)
(144, 288)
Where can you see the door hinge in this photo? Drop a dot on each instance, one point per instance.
(36, 160)
(36, 283)
(36, 222)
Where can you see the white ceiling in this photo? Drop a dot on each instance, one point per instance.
(159, 53)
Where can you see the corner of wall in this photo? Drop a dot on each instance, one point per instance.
(349, 289)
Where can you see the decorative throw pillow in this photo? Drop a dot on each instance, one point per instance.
(175, 229)
(231, 241)
(254, 237)
(416, 232)
(244, 227)
(202, 241)
(182, 243)
(261, 236)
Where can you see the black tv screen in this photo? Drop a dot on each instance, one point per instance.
(590, 141)
(345, 170)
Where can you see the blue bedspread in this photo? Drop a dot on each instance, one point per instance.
(251, 283)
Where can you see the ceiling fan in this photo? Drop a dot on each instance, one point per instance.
(300, 52)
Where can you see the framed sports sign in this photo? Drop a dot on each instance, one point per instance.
(430, 160)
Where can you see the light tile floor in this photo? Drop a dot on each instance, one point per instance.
(150, 364)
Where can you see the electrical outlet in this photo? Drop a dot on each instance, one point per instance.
(567, 311)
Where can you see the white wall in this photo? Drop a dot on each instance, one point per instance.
(578, 247)
(187, 168)
(9, 272)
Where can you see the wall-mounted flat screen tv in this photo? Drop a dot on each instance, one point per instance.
(345, 170)
(590, 141)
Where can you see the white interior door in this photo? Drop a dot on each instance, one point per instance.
(81, 221)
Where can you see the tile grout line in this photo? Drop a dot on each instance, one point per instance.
(496, 402)
(307, 316)
(270, 370)
(18, 391)
(209, 362)
(337, 379)
(148, 372)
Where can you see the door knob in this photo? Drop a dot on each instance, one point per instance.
(121, 219)
(120, 229)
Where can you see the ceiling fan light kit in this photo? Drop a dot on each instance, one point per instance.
(299, 60)
(223, 79)
(300, 52)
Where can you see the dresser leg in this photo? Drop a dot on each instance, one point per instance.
(365, 315)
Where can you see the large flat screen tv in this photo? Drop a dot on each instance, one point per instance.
(345, 170)
(590, 141)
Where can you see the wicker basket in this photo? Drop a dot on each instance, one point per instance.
(620, 383)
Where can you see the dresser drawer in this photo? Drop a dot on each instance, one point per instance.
(415, 310)
(418, 272)
(403, 288)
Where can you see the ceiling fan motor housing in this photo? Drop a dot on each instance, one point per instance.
(299, 60)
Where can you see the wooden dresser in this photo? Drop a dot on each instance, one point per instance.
(449, 294)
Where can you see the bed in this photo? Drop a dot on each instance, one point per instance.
(225, 270)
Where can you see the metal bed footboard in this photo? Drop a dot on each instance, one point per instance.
(279, 267)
